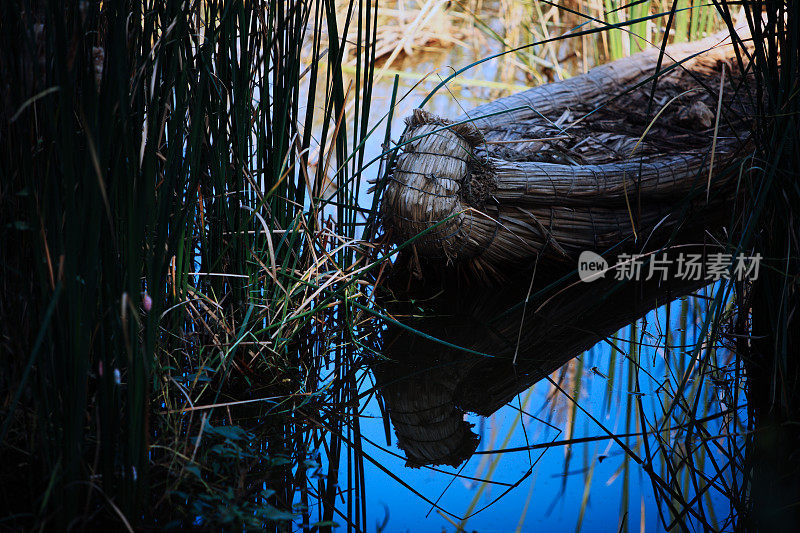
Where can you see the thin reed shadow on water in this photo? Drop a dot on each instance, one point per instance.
(452, 349)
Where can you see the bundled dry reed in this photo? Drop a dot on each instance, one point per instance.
(573, 165)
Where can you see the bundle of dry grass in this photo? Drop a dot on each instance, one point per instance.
(582, 164)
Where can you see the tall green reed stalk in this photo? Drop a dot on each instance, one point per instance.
(768, 223)
(692, 20)
(168, 261)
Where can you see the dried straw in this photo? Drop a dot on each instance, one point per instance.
(564, 167)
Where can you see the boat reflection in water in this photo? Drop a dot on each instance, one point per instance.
(475, 349)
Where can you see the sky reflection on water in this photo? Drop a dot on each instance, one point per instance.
(549, 486)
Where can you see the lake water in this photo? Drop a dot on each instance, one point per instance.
(538, 482)
(598, 387)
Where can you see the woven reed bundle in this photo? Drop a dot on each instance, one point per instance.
(563, 167)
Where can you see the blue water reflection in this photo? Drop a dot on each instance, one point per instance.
(540, 482)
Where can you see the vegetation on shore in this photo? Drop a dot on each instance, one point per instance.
(185, 294)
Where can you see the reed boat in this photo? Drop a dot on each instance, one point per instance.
(634, 151)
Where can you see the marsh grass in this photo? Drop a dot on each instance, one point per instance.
(176, 278)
